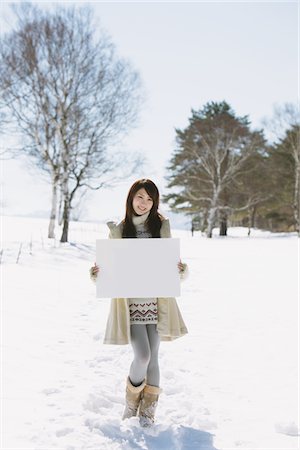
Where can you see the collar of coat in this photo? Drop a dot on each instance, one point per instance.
(115, 229)
(138, 220)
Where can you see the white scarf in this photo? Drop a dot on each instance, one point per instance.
(138, 220)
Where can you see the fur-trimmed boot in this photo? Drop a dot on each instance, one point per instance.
(148, 405)
(133, 397)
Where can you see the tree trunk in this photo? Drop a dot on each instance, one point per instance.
(211, 221)
(51, 227)
(223, 225)
(251, 218)
(296, 205)
(67, 203)
(212, 213)
(64, 192)
(66, 218)
(60, 212)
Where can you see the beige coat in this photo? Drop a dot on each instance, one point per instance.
(170, 323)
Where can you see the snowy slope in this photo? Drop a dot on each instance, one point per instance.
(231, 383)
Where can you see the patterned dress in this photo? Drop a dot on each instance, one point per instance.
(143, 310)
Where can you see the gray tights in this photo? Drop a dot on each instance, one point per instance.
(145, 343)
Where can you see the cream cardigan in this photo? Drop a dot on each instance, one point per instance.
(170, 322)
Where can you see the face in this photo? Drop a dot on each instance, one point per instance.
(142, 203)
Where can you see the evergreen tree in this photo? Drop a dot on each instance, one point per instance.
(210, 156)
(252, 190)
(282, 211)
(284, 127)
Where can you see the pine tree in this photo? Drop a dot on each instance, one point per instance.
(209, 158)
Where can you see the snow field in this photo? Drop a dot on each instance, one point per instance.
(231, 383)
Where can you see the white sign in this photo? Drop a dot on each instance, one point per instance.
(138, 268)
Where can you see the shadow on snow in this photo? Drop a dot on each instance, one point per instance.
(160, 437)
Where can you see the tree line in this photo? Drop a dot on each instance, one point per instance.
(223, 172)
(72, 98)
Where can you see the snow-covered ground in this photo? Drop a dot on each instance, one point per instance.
(231, 383)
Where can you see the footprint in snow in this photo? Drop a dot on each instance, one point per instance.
(169, 374)
(64, 432)
(51, 391)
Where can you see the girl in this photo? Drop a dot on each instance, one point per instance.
(143, 322)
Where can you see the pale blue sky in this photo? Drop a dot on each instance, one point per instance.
(187, 54)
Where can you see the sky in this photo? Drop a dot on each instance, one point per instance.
(187, 54)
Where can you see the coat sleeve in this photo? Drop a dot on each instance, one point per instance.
(166, 233)
(110, 225)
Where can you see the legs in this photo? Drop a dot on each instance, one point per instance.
(145, 343)
(153, 375)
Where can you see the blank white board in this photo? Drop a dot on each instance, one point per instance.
(138, 268)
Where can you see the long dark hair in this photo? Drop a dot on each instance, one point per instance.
(154, 220)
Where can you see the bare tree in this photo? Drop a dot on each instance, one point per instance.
(71, 96)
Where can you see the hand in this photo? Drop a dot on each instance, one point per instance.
(94, 271)
(181, 267)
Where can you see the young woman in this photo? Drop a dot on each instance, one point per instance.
(143, 322)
